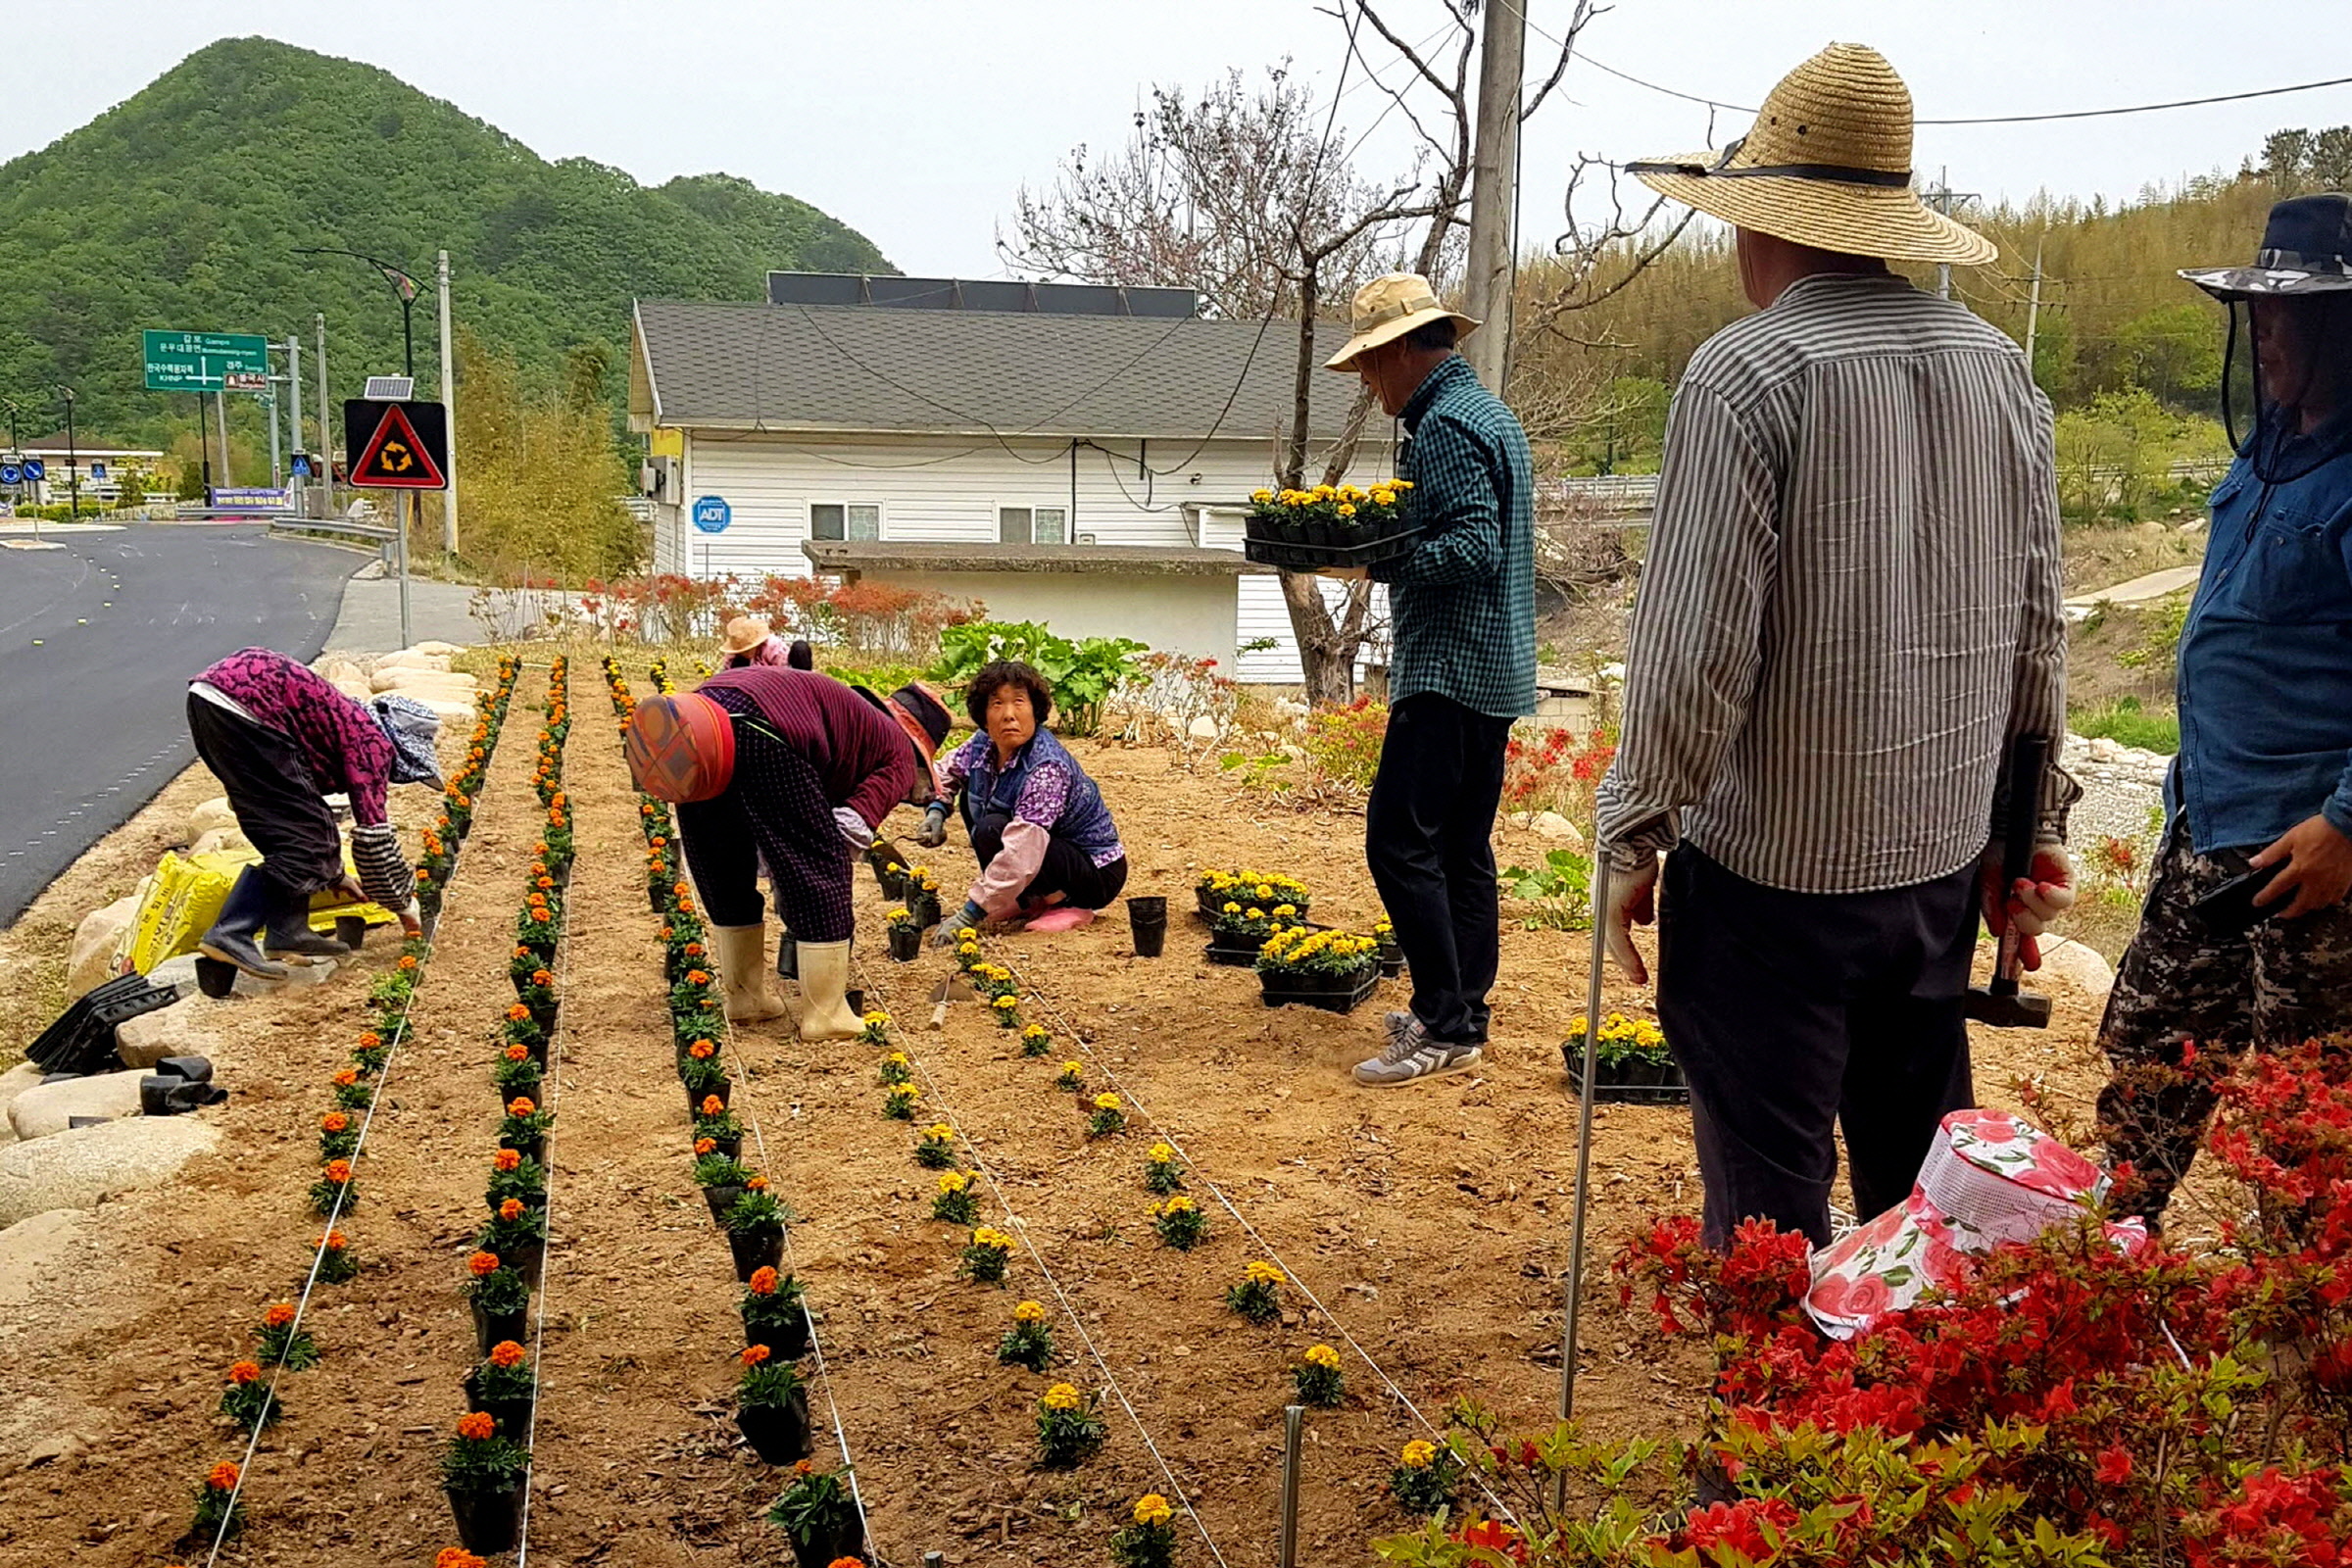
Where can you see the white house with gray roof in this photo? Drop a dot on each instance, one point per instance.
(1075, 456)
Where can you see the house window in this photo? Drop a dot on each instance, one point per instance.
(835, 520)
(1037, 525)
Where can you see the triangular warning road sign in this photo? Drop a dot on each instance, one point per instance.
(396, 457)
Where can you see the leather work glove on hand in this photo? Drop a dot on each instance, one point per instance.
(852, 827)
(934, 831)
(2032, 902)
(1633, 902)
(971, 915)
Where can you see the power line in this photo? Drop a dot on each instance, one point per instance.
(1982, 120)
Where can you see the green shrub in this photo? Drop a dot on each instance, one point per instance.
(2123, 721)
(1082, 673)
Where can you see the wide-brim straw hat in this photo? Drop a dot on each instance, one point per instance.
(1827, 164)
(744, 633)
(1389, 307)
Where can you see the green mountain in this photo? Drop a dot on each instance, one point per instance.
(183, 208)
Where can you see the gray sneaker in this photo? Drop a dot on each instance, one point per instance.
(1409, 1055)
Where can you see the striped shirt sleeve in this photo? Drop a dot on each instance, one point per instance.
(2038, 705)
(1696, 645)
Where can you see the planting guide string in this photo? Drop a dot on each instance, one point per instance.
(1021, 1230)
(301, 1304)
(555, 1078)
(1029, 988)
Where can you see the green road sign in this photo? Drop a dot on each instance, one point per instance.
(203, 361)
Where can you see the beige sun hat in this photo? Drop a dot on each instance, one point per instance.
(1389, 307)
(744, 633)
(1827, 164)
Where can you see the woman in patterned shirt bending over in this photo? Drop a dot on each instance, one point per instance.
(280, 738)
(1049, 852)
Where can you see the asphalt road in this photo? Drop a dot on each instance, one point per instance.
(98, 642)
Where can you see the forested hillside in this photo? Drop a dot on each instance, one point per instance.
(184, 206)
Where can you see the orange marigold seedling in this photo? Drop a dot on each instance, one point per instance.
(764, 1281)
(517, 1052)
(510, 1210)
(507, 1160)
(279, 1314)
(505, 1352)
(482, 1264)
(223, 1477)
(244, 1372)
(477, 1426)
(755, 1355)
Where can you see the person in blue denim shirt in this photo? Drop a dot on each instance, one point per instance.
(2264, 780)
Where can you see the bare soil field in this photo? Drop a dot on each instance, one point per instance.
(1431, 1223)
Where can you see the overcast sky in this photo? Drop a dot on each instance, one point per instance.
(917, 121)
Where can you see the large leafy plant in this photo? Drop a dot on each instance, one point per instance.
(1083, 674)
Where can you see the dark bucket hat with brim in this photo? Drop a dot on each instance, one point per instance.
(2306, 249)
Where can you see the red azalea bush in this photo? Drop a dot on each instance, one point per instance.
(2064, 1402)
(1559, 772)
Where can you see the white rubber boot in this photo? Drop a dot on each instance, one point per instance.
(744, 981)
(824, 992)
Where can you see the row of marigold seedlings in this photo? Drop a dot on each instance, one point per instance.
(252, 1400)
(817, 1510)
(1069, 1427)
(487, 1464)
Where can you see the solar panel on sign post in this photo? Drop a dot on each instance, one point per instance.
(390, 388)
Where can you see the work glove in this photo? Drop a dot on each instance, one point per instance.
(935, 826)
(1633, 900)
(2032, 901)
(971, 915)
(412, 919)
(854, 828)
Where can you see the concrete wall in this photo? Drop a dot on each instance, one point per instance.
(1177, 614)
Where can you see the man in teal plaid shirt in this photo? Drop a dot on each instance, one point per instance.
(1462, 616)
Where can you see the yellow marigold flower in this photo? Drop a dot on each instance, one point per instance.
(897, 1059)
(1152, 1509)
(902, 1091)
(1060, 1396)
(939, 1132)
(1347, 509)
(1286, 910)
(1106, 1101)
(1418, 1454)
(953, 1181)
(1162, 1154)
(1177, 1205)
(1029, 1313)
(1265, 1274)
(964, 933)
(1006, 1003)
(1322, 1355)
(1072, 1067)
(1261, 497)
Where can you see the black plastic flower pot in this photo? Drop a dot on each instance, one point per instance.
(847, 1541)
(924, 908)
(789, 1341)
(721, 1199)
(854, 996)
(213, 978)
(754, 1251)
(657, 898)
(732, 1148)
(777, 1433)
(528, 1260)
(788, 956)
(905, 943)
(695, 1096)
(514, 1416)
(489, 1328)
(488, 1522)
(1392, 961)
(544, 947)
(1147, 923)
(529, 1148)
(351, 931)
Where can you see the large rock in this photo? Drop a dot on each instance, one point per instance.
(14, 1081)
(2085, 969)
(181, 971)
(445, 649)
(413, 659)
(46, 1112)
(220, 839)
(194, 1026)
(78, 1169)
(446, 683)
(207, 815)
(37, 1249)
(92, 961)
(1552, 826)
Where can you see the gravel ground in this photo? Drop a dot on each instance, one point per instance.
(2120, 788)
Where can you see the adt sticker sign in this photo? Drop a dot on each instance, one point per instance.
(711, 513)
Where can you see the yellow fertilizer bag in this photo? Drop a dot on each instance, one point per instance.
(183, 899)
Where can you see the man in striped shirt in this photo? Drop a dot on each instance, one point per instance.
(1851, 606)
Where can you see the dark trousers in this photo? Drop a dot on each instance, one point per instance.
(775, 809)
(1796, 1013)
(1067, 869)
(278, 809)
(1429, 839)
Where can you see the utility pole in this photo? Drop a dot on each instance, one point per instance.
(1494, 191)
(326, 439)
(73, 456)
(269, 411)
(221, 425)
(449, 393)
(2034, 308)
(1941, 197)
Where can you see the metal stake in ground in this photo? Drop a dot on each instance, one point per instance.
(1575, 1288)
(1293, 1416)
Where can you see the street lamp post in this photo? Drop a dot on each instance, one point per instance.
(403, 289)
(73, 456)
